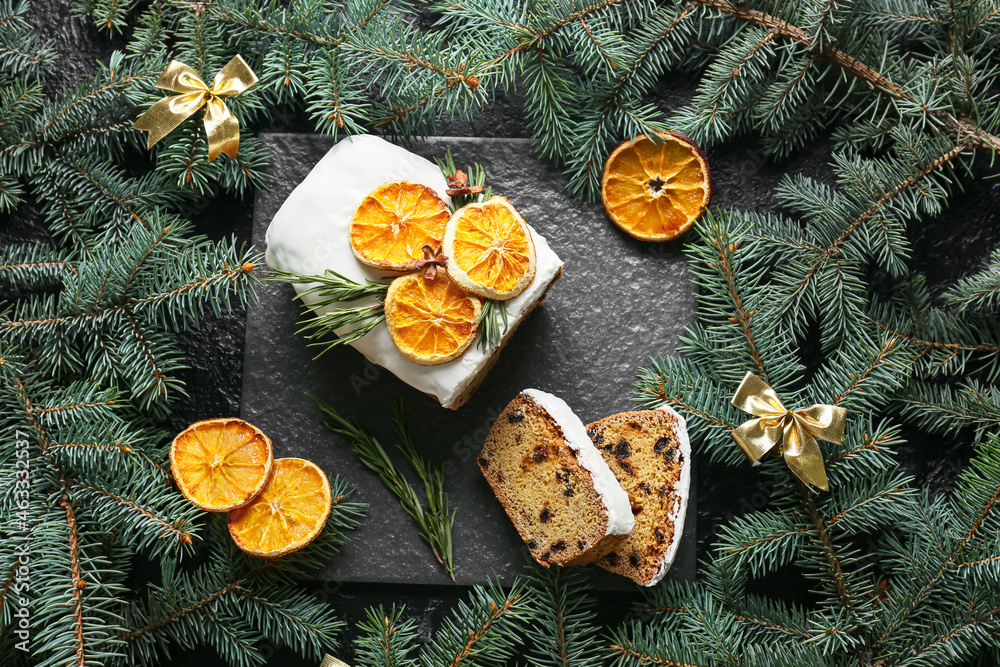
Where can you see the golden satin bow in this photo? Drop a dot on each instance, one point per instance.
(796, 430)
(221, 125)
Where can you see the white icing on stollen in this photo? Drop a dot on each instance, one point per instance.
(613, 496)
(682, 491)
(310, 234)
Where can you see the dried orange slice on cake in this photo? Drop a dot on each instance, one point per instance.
(489, 249)
(221, 464)
(289, 514)
(431, 321)
(655, 190)
(394, 222)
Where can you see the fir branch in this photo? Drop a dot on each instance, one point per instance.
(980, 291)
(960, 129)
(175, 616)
(911, 181)
(386, 640)
(951, 643)
(565, 634)
(155, 303)
(989, 501)
(536, 36)
(723, 247)
(946, 409)
(483, 629)
(78, 582)
(628, 651)
(434, 522)
(836, 571)
(161, 527)
(308, 628)
(939, 345)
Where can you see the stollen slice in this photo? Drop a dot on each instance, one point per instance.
(650, 455)
(554, 484)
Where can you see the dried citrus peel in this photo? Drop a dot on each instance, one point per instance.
(393, 223)
(490, 251)
(431, 321)
(654, 190)
(289, 513)
(221, 464)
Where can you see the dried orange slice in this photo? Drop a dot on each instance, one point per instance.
(655, 190)
(221, 464)
(289, 514)
(431, 321)
(489, 249)
(394, 221)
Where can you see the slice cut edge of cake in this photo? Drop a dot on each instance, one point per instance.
(613, 496)
(538, 461)
(621, 437)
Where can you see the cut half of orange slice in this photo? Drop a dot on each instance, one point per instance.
(431, 321)
(289, 514)
(221, 464)
(656, 189)
(394, 221)
(489, 249)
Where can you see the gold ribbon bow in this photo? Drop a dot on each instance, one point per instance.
(330, 661)
(795, 430)
(222, 127)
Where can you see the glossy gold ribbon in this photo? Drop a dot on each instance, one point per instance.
(222, 127)
(330, 661)
(795, 430)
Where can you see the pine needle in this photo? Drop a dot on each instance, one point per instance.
(435, 521)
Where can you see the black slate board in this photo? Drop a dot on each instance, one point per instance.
(619, 303)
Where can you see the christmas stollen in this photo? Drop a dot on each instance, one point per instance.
(553, 483)
(614, 494)
(650, 455)
(310, 235)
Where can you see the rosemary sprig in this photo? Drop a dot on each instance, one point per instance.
(477, 176)
(432, 477)
(331, 288)
(492, 323)
(435, 522)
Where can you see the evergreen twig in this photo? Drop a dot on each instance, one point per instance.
(434, 521)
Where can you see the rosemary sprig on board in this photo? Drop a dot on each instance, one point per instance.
(431, 476)
(435, 521)
(331, 288)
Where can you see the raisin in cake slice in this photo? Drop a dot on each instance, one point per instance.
(554, 484)
(650, 455)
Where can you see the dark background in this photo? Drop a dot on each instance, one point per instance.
(944, 249)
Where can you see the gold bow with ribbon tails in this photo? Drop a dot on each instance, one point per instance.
(795, 430)
(222, 127)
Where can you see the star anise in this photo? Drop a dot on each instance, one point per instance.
(458, 184)
(430, 262)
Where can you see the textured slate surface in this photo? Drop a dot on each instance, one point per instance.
(619, 303)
